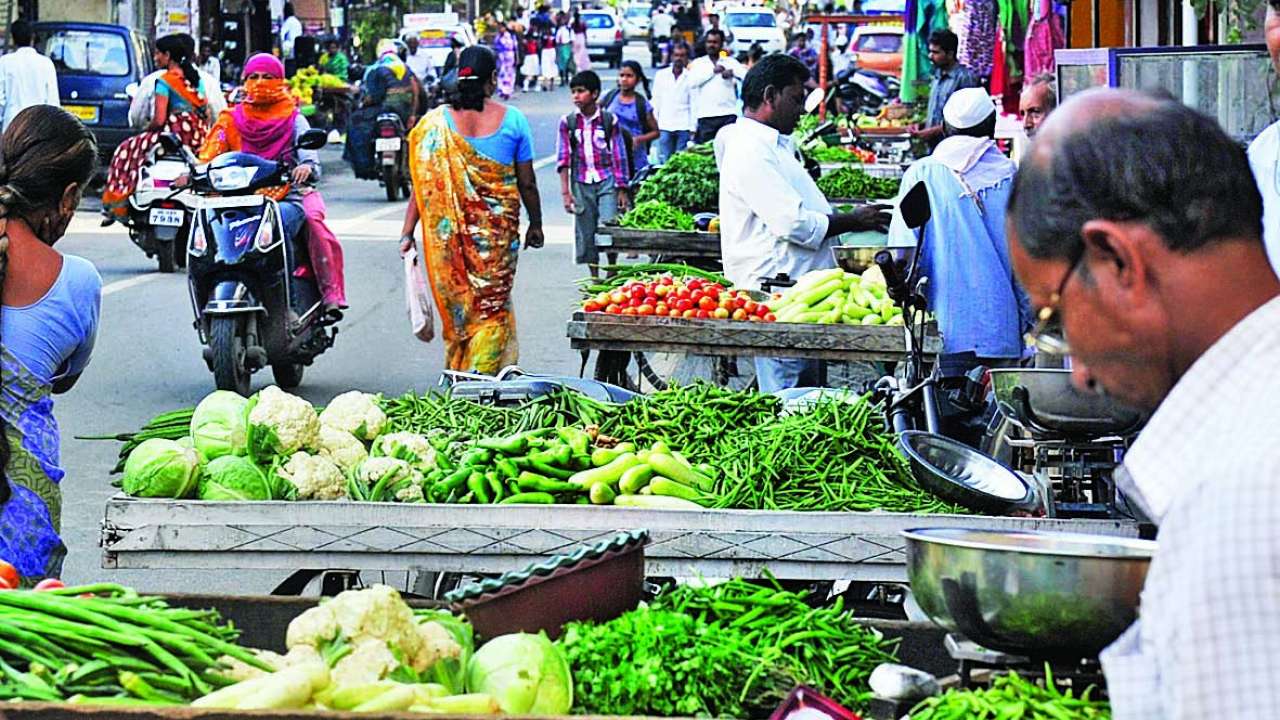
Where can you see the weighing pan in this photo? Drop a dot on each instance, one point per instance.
(956, 472)
(1044, 400)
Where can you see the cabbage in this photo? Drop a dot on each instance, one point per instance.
(218, 425)
(527, 674)
(161, 468)
(232, 478)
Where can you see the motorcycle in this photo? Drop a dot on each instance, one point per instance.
(391, 153)
(865, 92)
(253, 307)
(156, 217)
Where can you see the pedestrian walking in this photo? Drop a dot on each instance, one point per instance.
(633, 111)
(564, 48)
(506, 45)
(581, 56)
(591, 157)
(290, 31)
(26, 77)
(547, 60)
(483, 150)
(49, 321)
(530, 68)
(671, 104)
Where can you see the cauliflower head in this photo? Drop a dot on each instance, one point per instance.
(280, 424)
(380, 479)
(370, 660)
(356, 412)
(341, 448)
(412, 448)
(411, 494)
(314, 477)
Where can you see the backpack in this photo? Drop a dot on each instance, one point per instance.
(610, 126)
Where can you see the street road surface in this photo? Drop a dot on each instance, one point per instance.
(148, 360)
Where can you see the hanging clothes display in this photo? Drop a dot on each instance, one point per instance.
(1044, 35)
(1001, 85)
(958, 21)
(980, 37)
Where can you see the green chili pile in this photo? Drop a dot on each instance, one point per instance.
(693, 418)
(851, 183)
(1012, 697)
(824, 647)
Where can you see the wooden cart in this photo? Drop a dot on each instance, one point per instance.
(665, 243)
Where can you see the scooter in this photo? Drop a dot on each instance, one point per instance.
(864, 92)
(158, 218)
(253, 307)
(391, 153)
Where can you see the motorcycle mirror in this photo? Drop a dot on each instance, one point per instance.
(171, 143)
(313, 139)
(814, 100)
(915, 206)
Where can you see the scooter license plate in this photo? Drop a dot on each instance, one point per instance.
(166, 217)
(386, 145)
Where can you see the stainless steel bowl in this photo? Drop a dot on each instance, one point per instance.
(1031, 593)
(858, 258)
(1044, 400)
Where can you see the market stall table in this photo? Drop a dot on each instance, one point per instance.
(287, 536)
(666, 243)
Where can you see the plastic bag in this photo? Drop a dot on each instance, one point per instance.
(417, 297)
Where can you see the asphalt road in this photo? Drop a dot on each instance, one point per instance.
(148, 360)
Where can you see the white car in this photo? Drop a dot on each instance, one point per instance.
(604, 35)
(636, 21)
(436, 41)
(752, 25)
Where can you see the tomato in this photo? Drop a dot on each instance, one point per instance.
(726, 302)
(661, 309)
(650, 299)
(740, 302)
(684, 304)
(750, 306)
(717, 287)
(704, 315)
(591, 306)
(739, 314)
(666, 280)
(755, 318)
(684, 292)
(675, 314)
(637, 291)
(695, 284)
(8, 576)
(617, 297)
(645, 309)
(603, 299)
(762, 310)
(50, 584)
(770, 317)
(628, 311)
(662, 291)
(635, 302)
(689, 314)
(720, 313)
(612, 309)
(706, 304)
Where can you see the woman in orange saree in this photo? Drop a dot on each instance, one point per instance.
(471, 161)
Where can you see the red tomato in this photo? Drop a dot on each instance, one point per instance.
(717, 287)
(666, 280)
(770, 317)
(750, 306)
(617, 297)
(675, 314)
(720, 313)
(662, 290)
(661, 309)
(684, 304)
(628, 311)
(739, 302)
(50, 584)
(739, 314)
(591, 306)
(8, 576)
(635, 302)
(696, 284)
(706, 303)
(650, 299)
(637, 291)
(762, 310)
(645, 309)
(683, 292)
(603, 299)
(704, 315)
(612, 308)
(688, 313)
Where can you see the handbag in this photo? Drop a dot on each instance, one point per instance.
(417, 297)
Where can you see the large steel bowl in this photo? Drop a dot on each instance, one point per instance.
(858, 258)
(1041, 594)
(1044, 400)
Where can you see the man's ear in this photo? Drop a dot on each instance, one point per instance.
(1114, 255)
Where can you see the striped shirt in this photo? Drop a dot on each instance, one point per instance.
(601, 158)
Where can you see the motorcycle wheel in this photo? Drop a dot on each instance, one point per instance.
(229, 372)
(165, 252)
(391, 181)
(288, 375)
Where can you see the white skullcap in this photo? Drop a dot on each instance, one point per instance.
(967, 108)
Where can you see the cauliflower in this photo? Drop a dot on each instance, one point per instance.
(377, 624)
(341, 448)
(314, 477)
(410, 494)
(412, 448)
(357, 413)
(380, 479)
(280, 424)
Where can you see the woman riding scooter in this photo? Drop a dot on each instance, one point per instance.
(266, 122)
(388, 86)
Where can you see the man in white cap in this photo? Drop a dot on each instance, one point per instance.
(982, 311)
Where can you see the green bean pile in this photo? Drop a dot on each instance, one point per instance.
(1012, 697)
(693, 418)
(824, 647)
(115, 647)
(849, 183)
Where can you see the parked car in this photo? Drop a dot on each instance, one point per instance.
(604, 35)
(752, 25)
(434, 40)
(878, 48)
(99, 69)
(636, 21)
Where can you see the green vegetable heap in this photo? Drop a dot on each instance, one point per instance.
(1012, 697)
(851, 183)
(689, 180)
(657, 215)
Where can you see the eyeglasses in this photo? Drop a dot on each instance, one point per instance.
(1047, 336)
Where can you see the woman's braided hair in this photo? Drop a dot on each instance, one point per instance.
(42, 152)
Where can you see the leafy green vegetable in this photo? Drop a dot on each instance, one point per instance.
(849, 182)
(657, 215)
(528, 674)
(233, 478)
(689, 180)
(161, 468)
(218, 425)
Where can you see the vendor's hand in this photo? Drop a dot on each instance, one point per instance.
(624, 201)
(533, 238)
(567, 197)
(301, 174)
(406, 244)
(873, 217)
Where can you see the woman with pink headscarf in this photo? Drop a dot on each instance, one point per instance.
(266, 123)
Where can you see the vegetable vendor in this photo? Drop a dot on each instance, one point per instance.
(773, 217)
(982, 312)
(1137, 230)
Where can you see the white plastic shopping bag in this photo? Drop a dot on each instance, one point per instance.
(417, 297)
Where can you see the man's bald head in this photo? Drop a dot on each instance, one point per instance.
(1124, 155)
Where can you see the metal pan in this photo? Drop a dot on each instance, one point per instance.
(956, 472)
(1043, 400)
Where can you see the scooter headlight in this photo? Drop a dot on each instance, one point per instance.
(229, 179)
(197, 245)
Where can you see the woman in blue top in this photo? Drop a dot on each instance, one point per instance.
(472, 167)
(633, 111)
(48, 320)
